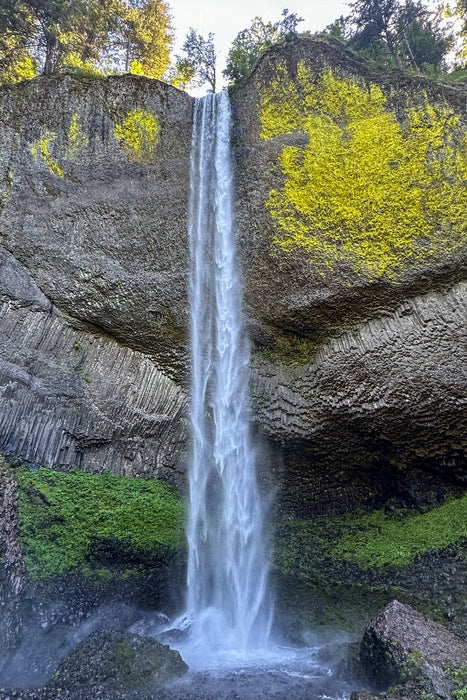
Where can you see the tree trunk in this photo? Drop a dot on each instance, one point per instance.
(49, 55)
(392, 49)
(410, 53)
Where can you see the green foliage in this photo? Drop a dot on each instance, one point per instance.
(412, 35)
(73, 64)
(182, 75)
(459, 676)
(83, 36)
(15, 64)
(66, 516)
(143, 37)
(200, 60)
(371, 540)
(251, 43)
(292, 351)
(367, 190)
(138, 135)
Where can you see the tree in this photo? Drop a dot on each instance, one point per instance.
(404, 34)
(250, 43)
(142, 37)
(182, 74)
(16, 30)
(428, 43)
(377, 19)
(459, 11)
(84, 35)
(200, 59)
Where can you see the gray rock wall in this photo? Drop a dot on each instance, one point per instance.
(357, 381)
(93, 263)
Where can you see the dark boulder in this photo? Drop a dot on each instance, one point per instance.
(114, 662)
(401, 646)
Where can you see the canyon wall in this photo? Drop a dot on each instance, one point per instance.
(350, 210)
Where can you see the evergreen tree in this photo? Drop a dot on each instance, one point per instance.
(404, 34)
(250, 43)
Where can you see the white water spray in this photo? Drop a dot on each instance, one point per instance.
(227, 565)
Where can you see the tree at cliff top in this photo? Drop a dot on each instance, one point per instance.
(16, 62)
(142, 37)
(84, 35)
(198, 66)
(250, 43)
(390, 32)
(459, 11)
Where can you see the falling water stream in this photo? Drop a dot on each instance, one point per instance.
(229, 646)
(227, 566)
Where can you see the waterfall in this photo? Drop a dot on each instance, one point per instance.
(227, 564)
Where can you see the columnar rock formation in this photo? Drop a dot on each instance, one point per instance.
(357, 371)
(93, 274)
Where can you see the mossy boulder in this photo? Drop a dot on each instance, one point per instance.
(401, 645)
(104, 661)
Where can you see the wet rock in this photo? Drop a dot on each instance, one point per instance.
(12, 569)
(93, 261)
(357, 379)
(150, 625)
(120, 662)
(400, 646)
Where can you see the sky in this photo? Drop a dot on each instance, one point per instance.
(226, 19)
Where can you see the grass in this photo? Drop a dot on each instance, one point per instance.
(65, 517)
(373, 540)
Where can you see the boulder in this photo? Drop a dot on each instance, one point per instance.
(116, 662)
(401, 646)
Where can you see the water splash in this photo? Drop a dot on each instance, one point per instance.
(227, 565)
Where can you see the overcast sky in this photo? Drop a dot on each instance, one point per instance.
(226, 19)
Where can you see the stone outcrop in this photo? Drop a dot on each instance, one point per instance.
(12, 570)
(357, 377)
(93, 274)
(358, 364)
(401, 646)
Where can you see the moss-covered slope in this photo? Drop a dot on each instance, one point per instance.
(340, 570)
(96, 524)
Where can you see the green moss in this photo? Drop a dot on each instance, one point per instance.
(371, 540)
(459, 676)
(88, 521)
(293, 352)
(138, 134)
(367, 190)
(41, 147)
(77, 138)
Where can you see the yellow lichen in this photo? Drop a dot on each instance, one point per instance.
(40, 147)
(77, 138)
(366, 190)
(139, 135)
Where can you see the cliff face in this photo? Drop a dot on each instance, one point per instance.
(351, 210)
(350, 207)
(95, 180)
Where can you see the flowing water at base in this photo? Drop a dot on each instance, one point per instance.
(307, 673)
